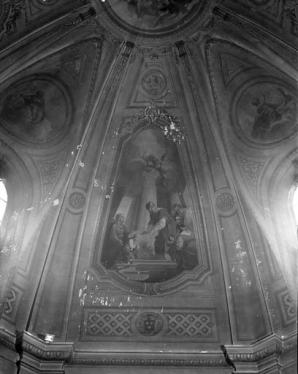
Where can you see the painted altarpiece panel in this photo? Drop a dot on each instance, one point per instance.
(150, 237)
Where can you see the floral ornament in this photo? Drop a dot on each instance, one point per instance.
(160, 118)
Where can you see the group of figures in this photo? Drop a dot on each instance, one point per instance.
(161, 10)
(171, 235)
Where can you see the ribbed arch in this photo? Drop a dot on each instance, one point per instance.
(3, 199)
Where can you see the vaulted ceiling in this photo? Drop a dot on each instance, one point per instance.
(85, 86)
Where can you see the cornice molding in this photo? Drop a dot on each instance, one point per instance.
(193, 360)
(33, 346)
(7, 339)
(269, 346)
(64, 352)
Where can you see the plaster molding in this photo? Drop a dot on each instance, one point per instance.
(141, 360)
(227, 19)
(33, 346)
(272, 347)
(7, 339)
(269, 346)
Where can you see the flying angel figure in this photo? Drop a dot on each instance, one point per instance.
(153, 162)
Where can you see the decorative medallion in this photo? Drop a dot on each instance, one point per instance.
(265, 111)
(36, 109)
(224, 202)
(149, 324)
(154, 82)
(77, 200)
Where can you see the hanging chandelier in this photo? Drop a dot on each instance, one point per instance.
(160, 118)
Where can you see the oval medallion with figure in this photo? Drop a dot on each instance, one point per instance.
(265, 111)
(35, 109)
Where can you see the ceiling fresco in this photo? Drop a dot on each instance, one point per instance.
(143, 140)
(156, 18)
(36, 108)
(266, 110)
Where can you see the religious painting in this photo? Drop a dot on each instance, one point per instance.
(266, 111)
(150, 231)
(36, 108)
(154, 14)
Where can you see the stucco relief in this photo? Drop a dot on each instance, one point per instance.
(291, 13)
(36, 108)
(265, 111)
(10, 13)
(154, 83)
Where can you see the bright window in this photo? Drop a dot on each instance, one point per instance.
(295, 204)
(3, 199)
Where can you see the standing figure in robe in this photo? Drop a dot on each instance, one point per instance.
(116, 239)
(162, 225)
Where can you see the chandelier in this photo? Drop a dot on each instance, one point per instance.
(160, 118)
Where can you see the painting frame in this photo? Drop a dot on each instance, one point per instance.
(127, 129)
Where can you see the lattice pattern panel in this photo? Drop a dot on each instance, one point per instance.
(11, 303)
(189, 324)
(287, 307)
(109, 324)
(130, 324)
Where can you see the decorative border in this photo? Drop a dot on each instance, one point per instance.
(123, 324)
(183, 278)
(233, 109)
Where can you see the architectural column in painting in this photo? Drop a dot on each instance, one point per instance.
(148, 193)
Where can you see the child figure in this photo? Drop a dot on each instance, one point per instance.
(131, 248)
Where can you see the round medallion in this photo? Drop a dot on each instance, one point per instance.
(36, 109)
(224, 202)
(154, 82)
(265, 111)
(159, 19)
(149, 324)
(77, 200)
